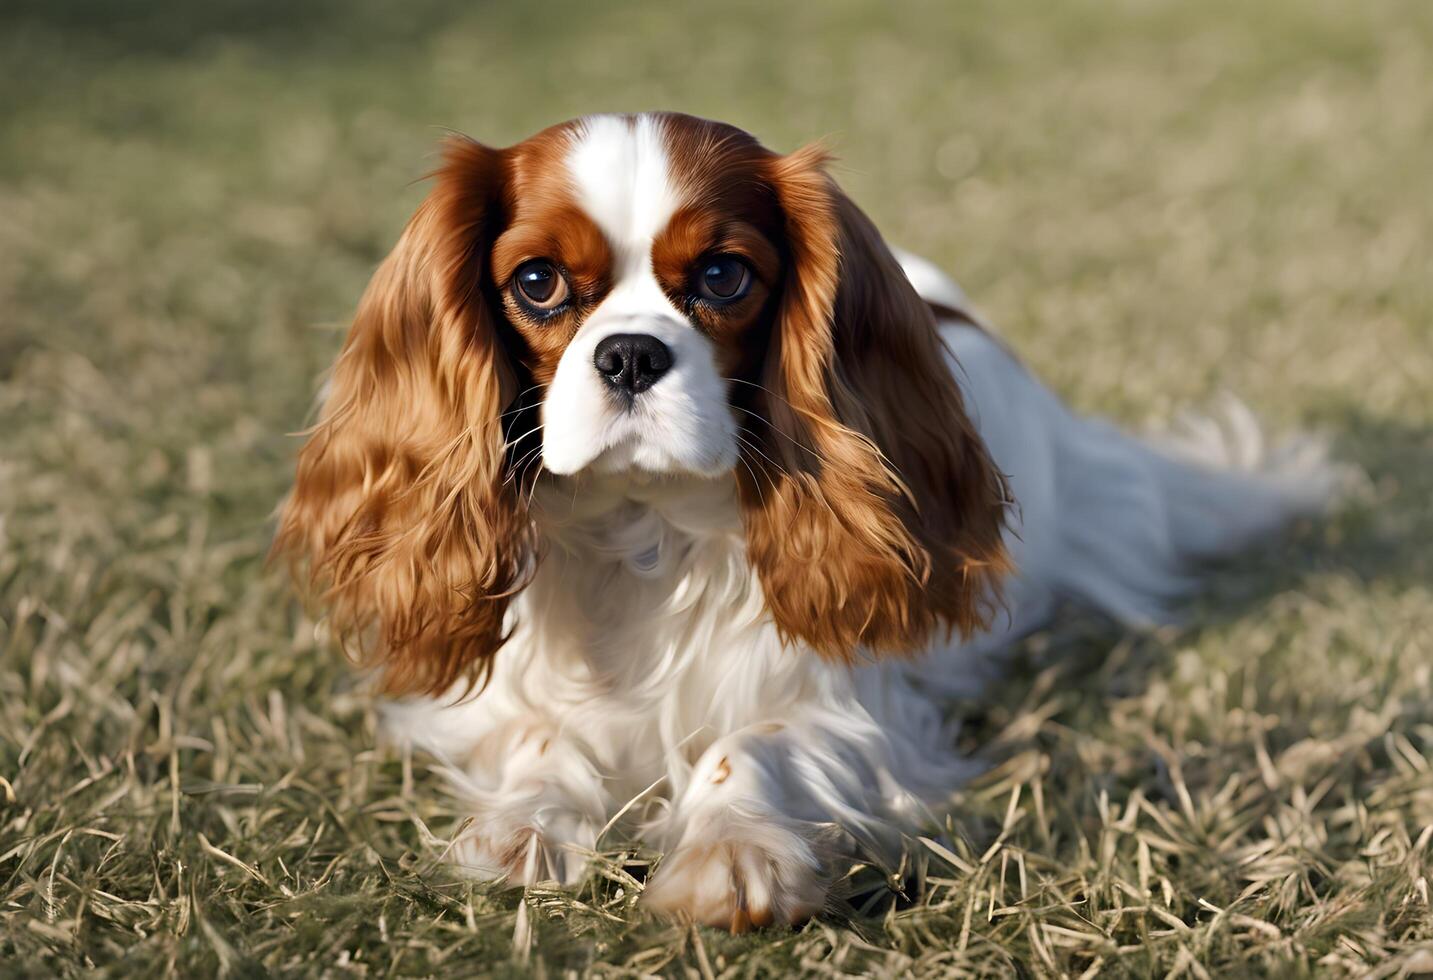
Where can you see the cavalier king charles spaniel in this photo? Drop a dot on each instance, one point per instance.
(656, 487)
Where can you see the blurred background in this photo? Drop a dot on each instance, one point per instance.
(1154, 200)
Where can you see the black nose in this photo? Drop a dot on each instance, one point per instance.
(632, 362)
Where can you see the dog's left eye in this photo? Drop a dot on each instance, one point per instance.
(723, 278)
(540, 285)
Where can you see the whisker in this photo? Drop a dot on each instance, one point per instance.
(520, 408)
(773, 428)
(818, 418)
(814, 416)
(532, 457)
(770, 479)
(525, 434)
(750, 444)
(522, 463)
(517, 466)
(532, 490)
(531, 388)
(469, 433)
(754, 481)
(820, 498)
(743, 381)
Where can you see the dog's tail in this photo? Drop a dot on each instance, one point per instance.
(1139, 516)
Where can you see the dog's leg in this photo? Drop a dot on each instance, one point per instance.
(764, 820)
(538, 805)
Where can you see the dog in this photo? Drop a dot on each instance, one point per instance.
(649, 472)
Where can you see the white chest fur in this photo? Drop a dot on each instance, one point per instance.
(644, 629)
(642, 636)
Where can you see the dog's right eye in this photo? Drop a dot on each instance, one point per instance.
(540, 285)
(723, 279)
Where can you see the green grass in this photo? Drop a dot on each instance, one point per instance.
(1155, 200)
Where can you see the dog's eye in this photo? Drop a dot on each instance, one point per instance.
(723, 278)
(540, 284)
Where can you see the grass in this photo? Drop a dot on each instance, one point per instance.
(1156, 200)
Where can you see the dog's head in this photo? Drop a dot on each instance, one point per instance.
(651, 294)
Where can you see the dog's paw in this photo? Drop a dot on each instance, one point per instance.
(537, 802)
(738, 876)
(525, 852)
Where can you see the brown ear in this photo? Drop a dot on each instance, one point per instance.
(876, 517)
(400, 508)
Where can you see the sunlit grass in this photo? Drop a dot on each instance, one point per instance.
(1156, 201)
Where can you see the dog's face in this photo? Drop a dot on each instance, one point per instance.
(649, 294)
(638, 269)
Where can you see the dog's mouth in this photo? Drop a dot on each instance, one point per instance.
(636, 439)
(641, 455)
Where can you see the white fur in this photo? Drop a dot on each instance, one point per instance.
(933, 285)
(619, 169)
(643, 674)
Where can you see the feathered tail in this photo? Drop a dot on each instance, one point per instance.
(1139, 516)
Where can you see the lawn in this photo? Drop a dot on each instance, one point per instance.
(1157, 201)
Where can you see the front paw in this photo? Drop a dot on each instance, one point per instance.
(552, 847)
(739, 874)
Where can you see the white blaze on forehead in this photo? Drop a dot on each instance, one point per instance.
(622, 179)
(619, 166)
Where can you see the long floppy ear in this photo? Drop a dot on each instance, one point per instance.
(881, 519)
(400, 508)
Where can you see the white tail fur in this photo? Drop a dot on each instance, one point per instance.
(1139, 516)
